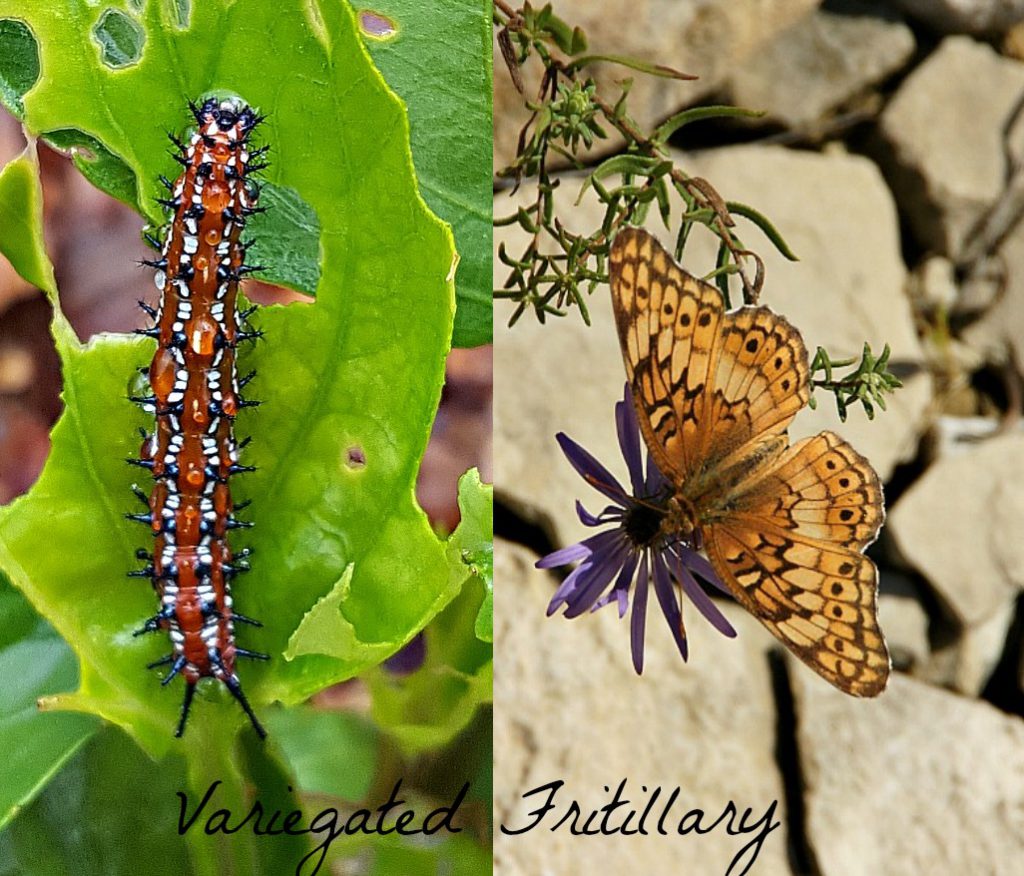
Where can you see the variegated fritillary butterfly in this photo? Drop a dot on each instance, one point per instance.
(784, 526)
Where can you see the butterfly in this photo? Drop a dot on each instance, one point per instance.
(783, 525)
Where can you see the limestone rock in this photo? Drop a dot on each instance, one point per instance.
(569, 706)
(966, 16)
(998, 336)
(955, 436)
(822, 61)
(703, 37)
(943, 144)
(966, 662)
(959, 525)
(916, 781)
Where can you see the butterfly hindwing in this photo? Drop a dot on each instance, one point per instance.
(817, 598)
(820, 489)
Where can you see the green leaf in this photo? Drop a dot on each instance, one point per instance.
(428, 707)
(439, 62)
(120, 38)
(350, 384)
(97, 164)
(471, 546)
(21, 218)
(698, 113)
(19, 63)
(34, 662)
(453, 855)
(331, 753)
(765, 224)
(108, 792)
(633, 64)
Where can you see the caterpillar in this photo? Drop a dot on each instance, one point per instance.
(195, 396)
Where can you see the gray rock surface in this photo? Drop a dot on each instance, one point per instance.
(965, 663)
(570, 707)
(959, 525)
(946, 158)
(822, 61)
(703, 37)
(966, 16)
(998, 336)
(916, 781)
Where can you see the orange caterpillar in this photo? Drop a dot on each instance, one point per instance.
(195, 396)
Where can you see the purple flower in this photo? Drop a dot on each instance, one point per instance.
(635, 549)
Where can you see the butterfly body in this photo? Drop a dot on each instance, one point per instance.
(784, 526)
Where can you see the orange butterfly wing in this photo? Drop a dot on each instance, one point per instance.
(715, 393)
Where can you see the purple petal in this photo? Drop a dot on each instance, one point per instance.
(696, 563)
(638, 620)
(586, 518)
(566, 588)
(610, 514)
(702, 601)
(603, 567)
(629, 440)
(655, 481)
(620, 592)
(598, 544)
(669, 604)
(590, 469)
(563, 556)
(590, 544)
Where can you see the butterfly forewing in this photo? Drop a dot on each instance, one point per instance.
(760, 383)
(668, 325)
(783, 526)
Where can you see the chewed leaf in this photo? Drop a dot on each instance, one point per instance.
(325, 631)
(437, 59)
(21, 218)
(471, 546)
(360, 368)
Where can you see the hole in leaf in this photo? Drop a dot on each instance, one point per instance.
(286, 236)
(355, 457)
(410, 658)
(376, 26)
(120, 38)
(182, 13)
(99, 165)
(19, 63)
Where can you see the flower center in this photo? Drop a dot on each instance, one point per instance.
(642, 523)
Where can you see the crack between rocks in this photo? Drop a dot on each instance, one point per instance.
(802, 860)
(525, 526)
(1003, 688)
